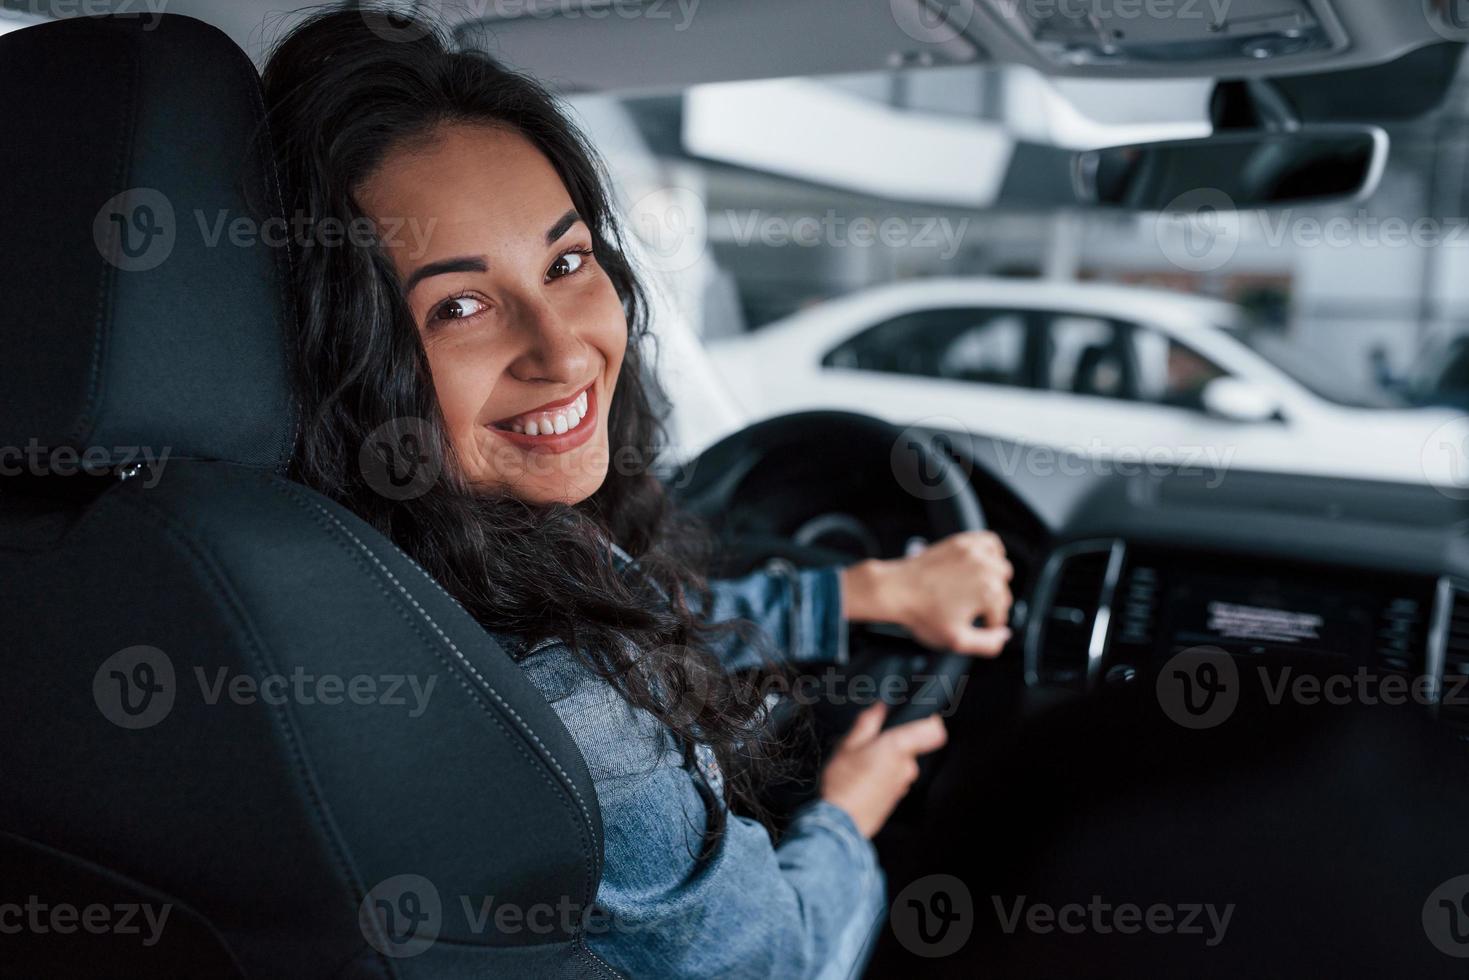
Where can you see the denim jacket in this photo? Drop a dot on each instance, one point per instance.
(806, 908)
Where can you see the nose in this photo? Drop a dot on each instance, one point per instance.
(552, 348)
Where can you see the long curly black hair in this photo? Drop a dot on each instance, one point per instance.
(343, 89)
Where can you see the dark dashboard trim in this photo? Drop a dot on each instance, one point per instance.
(1096, 648)
(1045, 591)
(1438, 637)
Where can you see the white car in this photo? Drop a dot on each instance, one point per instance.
(1111, 372)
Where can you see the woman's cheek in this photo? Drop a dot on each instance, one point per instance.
(460, 399)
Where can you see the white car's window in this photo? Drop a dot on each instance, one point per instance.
(988, 346)
(1171, 372)
(1087, 356)
(992, 349)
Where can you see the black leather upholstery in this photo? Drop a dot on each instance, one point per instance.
(263, 817)
(173, 337)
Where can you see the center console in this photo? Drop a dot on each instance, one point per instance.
(1108, 612)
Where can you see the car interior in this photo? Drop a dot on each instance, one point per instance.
(1324, 835)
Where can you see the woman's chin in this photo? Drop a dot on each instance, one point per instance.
(570, 495)
(539, 477)
(546, 488)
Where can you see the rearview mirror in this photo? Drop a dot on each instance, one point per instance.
(1252, 169)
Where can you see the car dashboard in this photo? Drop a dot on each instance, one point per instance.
(1348, 577)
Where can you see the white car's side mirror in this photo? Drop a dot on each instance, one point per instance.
(1238, 401)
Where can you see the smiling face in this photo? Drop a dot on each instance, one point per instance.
(524, 332)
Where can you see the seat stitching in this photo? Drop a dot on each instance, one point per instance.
(586, 825)
(86, 422)
(205, 560)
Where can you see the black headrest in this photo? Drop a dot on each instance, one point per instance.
(143, 288)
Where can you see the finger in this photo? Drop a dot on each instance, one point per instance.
(867, 726)
(990, 543)
(918, 737)
(995, 604)
(982, 641)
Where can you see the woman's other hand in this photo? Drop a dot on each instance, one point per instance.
(938, 593)
(871, 769)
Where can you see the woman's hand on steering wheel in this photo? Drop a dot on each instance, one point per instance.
(872, 769)
(938, 594)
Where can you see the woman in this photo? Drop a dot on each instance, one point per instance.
(507, 323)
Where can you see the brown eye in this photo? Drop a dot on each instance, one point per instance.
(566, 264)
(459, 308)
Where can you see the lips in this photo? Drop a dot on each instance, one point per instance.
(551, 418)
(553, 427)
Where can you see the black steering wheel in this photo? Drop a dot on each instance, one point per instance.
(789, 458)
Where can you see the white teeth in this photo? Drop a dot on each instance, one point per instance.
(547, 423)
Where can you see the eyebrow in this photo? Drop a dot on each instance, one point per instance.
(478, 263)
(562, 226)
(444, 267)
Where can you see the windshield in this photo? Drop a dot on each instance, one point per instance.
(938, 207)
(1311, 373)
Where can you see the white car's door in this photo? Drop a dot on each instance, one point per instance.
(1051, 380)
(971, 369)
(1137, 394)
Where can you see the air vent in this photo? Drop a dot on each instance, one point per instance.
(1399, 636)
(1449, 652)
(1074, 601)
(1137, 607)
